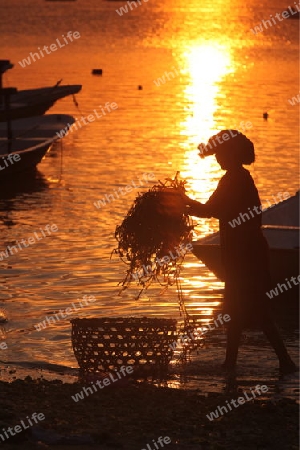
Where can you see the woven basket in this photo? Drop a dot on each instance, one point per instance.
(106, 344)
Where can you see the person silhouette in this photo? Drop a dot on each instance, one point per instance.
(244, 249)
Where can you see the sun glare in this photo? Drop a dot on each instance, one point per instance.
(206, 64)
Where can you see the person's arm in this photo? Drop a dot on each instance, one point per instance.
(197, 209)
(215, 205)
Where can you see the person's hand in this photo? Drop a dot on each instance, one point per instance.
(183, 197)
(202, 149)
(191, 206)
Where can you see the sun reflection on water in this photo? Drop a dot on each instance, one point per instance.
(207, 64)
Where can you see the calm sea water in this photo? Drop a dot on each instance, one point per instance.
(220, 75)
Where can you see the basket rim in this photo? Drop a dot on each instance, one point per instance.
(122, 320)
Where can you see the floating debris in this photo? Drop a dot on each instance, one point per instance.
(97, 72)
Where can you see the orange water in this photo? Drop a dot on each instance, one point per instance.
(220, 75)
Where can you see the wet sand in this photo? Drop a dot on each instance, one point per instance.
(132, 414)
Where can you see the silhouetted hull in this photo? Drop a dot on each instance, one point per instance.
(29, 159)
(281, 230)
(35, 102)
(33, 138)
(32, 128)
(284, 263)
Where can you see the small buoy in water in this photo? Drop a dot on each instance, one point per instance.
(97, 71)
(265, 115)
(140, 87)
(3, 316)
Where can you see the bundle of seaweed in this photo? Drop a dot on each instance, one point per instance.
(153, 240)
(155, 235)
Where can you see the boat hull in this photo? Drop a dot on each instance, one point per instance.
(29, 159)
(281, 230)
(41, 127)
(34, 137)
(284, 263)
(35, 102)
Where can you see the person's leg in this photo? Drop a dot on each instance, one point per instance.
(234, 332)
(234, 328)
(270, 329)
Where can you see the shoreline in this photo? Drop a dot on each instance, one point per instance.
(128, 417)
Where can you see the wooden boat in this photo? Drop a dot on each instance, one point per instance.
(40, 127)
(32, 102)
(281, 229)
(32, 139)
